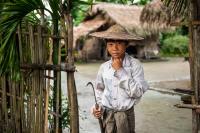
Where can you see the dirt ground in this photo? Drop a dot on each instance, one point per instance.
(156, 112)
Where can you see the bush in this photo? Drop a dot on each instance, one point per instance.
(175, 45)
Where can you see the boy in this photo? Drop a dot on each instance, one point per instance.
(119, 84)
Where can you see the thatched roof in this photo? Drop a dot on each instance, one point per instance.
(157, 16)
(124, 15)
(87, 27)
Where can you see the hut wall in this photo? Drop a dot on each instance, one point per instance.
(148, 48)
(151, 49)
(93, 49)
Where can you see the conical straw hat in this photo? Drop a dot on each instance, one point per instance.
(116, 32)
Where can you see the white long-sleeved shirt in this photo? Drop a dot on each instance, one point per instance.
(121, 89)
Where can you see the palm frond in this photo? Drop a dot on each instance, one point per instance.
(11, 14)
(55, 7)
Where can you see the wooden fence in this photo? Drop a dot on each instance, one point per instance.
(24, 104)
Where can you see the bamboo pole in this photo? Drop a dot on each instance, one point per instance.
(74, 116)
(10, 106)
(58, 95)
(21, 86)
(47, 92)
(32, 99)
(42, 58)
(14, 106)
(4, 101)
(37, 84)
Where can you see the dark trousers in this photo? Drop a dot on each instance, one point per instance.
(119, 121)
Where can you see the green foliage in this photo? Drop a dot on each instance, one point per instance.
(183, 30)
(11, 16)
(65, 113)
(175, 45)
(144, 2)
(79, 15)
(65, 116)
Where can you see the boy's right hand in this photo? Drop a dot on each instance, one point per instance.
(96, 111)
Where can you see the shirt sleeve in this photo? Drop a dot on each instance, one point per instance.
(99, 85)
(135, 85)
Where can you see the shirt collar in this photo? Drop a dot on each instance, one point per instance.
(126, 61)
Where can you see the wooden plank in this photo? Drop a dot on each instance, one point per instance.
(188, 106)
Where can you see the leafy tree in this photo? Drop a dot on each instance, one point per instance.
(175, 45)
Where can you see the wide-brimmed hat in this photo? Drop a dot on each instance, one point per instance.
(116, 32)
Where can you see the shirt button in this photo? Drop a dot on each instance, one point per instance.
(115, 85)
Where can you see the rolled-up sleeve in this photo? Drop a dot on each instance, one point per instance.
(99, 85)
(134, 84)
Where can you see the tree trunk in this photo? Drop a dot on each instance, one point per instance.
(195, 60)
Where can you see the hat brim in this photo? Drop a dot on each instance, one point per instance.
(115, 36)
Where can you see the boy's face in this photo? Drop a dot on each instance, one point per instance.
(116, 48)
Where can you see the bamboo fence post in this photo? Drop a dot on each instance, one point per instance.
(74, 116)
(4, 102)
(39, 78)
(21, 86)
(37, 84)
(10, 105)
(32, 99)
(58, 95)
(14, 104)
(47, 92)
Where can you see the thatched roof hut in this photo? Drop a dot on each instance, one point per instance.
(104, 15)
